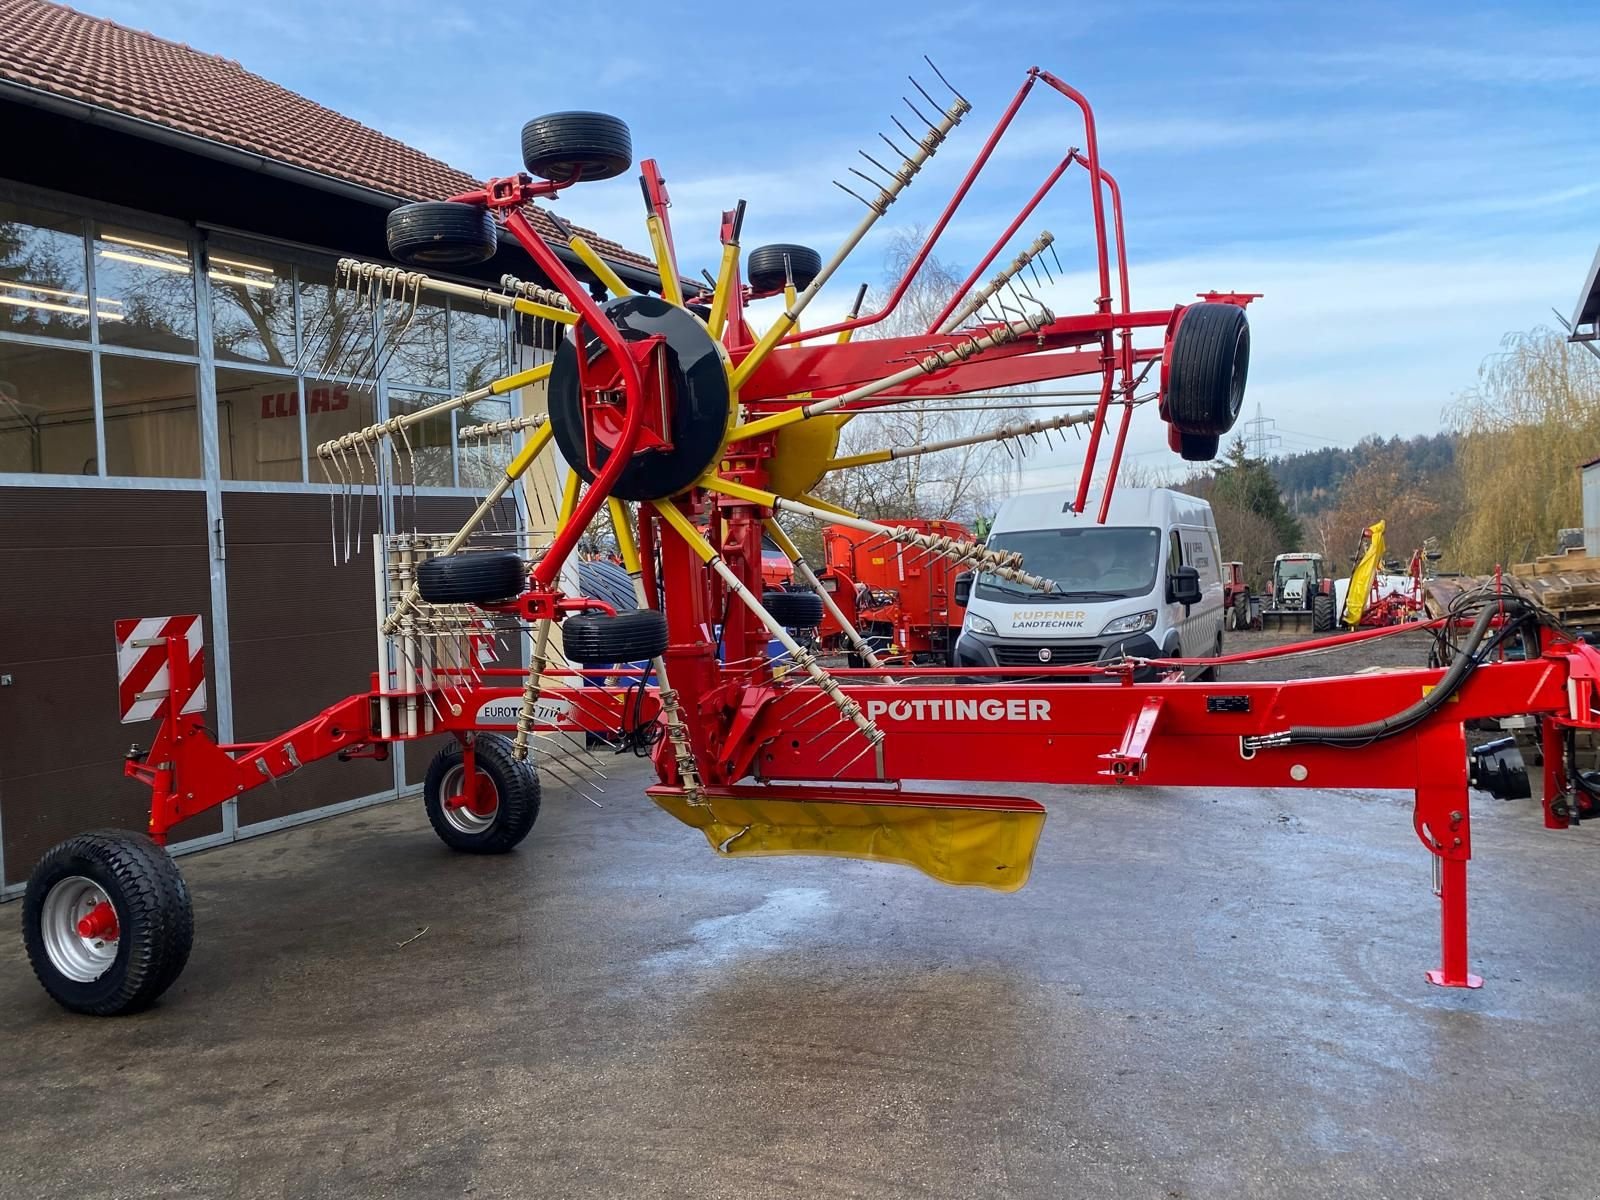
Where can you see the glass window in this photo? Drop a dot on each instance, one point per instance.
(417, 353)
(46, 410)
(1094, 562)
(258, 425)
(483, 461)
(152, 419)
(332, 409)
(147, 280)
(44, 287)
(423, 450)
(335, 328)
(480, 349)
(252, 307)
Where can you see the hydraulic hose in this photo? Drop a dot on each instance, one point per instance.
(1347, 735)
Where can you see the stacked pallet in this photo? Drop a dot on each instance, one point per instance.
(1559, 564)
(1567, 584)
(1572, 592)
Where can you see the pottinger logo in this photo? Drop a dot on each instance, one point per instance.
(959, 710)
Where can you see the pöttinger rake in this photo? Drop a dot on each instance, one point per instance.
(692, 434)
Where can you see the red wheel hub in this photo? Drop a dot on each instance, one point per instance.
(100, 923)
(480, 798)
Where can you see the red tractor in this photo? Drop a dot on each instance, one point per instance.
(1236, 599)
(900, 599)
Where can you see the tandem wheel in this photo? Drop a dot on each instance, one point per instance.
(503, 805)
(107, 922)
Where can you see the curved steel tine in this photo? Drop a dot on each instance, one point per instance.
(942, 80)
(346, 482)
(333, 525)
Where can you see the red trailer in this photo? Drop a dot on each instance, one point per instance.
(901, 599)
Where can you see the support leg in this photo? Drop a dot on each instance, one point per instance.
(1443, 822)
(1452, 971)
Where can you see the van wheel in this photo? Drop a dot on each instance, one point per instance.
(1213, 673)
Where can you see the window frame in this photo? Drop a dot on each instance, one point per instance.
(201, 240)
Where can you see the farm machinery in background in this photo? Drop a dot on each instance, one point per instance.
(1242, 609)
(1299, 594)
(1374, 597)
(694, 435)
(900, 599)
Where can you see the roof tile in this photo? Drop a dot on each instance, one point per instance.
(68, 53)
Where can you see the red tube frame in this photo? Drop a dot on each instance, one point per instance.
(743, 720)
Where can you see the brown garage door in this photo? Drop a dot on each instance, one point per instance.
(301, 633)
(73, 561)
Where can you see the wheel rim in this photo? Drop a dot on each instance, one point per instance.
(73, 904)
(468, 819)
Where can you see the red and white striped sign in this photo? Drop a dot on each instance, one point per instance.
(142, 675)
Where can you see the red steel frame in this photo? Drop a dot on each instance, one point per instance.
(745, 723)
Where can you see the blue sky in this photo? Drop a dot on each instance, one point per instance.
(1405, 182)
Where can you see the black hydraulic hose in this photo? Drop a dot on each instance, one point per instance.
(1463, 666)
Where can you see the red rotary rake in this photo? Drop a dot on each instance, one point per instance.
(694, 436)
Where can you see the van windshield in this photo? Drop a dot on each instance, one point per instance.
(1096, 562)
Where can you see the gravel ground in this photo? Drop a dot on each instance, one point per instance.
(1404, 649)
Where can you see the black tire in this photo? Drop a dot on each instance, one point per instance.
(1198, 447)
(1210, 358)
(1322, 615)
(477, 577)
(794, 610)
(565, 146)
(154, 916)
(1241, 611)
(1213, 674)
(442, 234)
(766, 272)
(516, 797)
(607, 582)
(593, 637)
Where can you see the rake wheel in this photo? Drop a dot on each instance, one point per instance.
(632, 636)
(473, 578)
(1206, 367)
(794, 610)
(567, 146)
(441, 234)
(770, 267)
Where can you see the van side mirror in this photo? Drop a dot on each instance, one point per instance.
(963, 588)
(1183, 586)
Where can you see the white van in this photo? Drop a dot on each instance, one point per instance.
(1146, 584)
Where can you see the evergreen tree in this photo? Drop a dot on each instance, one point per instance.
(1247, 483)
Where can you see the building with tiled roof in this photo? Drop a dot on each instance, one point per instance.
(57, 58)
(172, 350)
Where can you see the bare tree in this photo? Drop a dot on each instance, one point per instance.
(958, 484)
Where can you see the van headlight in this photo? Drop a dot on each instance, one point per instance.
(977, 624)
(1132, 623)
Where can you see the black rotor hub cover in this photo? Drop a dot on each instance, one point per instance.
(700, 400)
